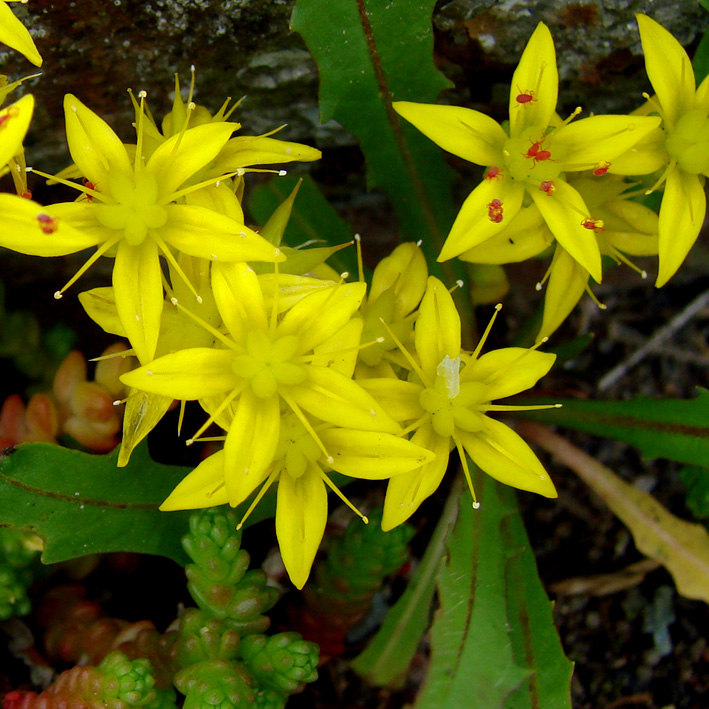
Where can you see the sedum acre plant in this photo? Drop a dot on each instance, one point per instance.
(308, 380)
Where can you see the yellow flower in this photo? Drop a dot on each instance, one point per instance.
(685, 117)
(266, 362)
(14, 34)
(14, 122)
(530, 163)
(133, 214)
(300, 468)
(447, 400)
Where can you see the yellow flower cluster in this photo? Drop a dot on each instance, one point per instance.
(562, 183)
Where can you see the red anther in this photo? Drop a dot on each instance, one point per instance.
(548, 186)
(592, 224)
(524, 97)
(47, 224)
(89, 185)
(493, 173)
(494, 211)
(601, 168)
(26, 195)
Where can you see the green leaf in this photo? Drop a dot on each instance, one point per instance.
(677, 429)
(701, 57)
(493, 642)
(80, 503)
(696, 480)
(387, 658)
(369, 53)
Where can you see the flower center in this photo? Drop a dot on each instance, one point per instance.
(135, 209)
(268, 363)
(688, 143)
(452, 404)
(531, 157)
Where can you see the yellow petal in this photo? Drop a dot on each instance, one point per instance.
(143, 412)
(301, 515)
(474, 224)
(503, 455)
(187, 374)
(469, 134)
(437, 333)
(203, 487)
(682, 213)
(15, 35)
(535, 76)
(245, 150)
(564, 213)
(405, 270)
(591, 140)
(398, 398)
(94, 147)
(14, 122)
(137, 289)
(239, 299)
(668, 68)
(508, 371)
(182, 155)
(340, 350)
(32, 229)
(100, 306)
(250, 444)
(567, 284)
(201, 232)
(372, 456)
(333, 397)
(407, 491)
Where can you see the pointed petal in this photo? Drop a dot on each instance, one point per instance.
(405, 270)
(301, 516)
(218, 198)
(406, 492)
(239, 299)
(508, 371)
(668, 68)
(503, 455)
(321, 314)
(14, 122)
(187, 374)
(203, 487)
(563, 212)
(372, 456)
(15, 35)
(536, 75)
(597, 138)
(437, 333)
(100, 306)
(469, 134)
(398, 398)
(200, 232)
(567, 284)
(32, 229)
(250, 444)
(246, 150)
(137, 288)
(93, 145)
(143, 412)
(182, 155)
(526, 236)
(682, 212)
(333, 397)
(473, 224)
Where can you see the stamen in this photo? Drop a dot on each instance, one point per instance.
(274, 307)
(169, 256)
(478, 349)
(307, 425)
(213, 331)
(118, 402)
(212, 493)
(662, 177)
(341, 495)
(181, 417)
(530, 407)
(138, 165)
(113, 355)
(346, 350)
(414, 365)
(622, 258)
(360, 262)
(601, 306)
(466, 469)
(193, 188)
(81, 188)
(219, 410)
(100, 251)
(264, 488)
